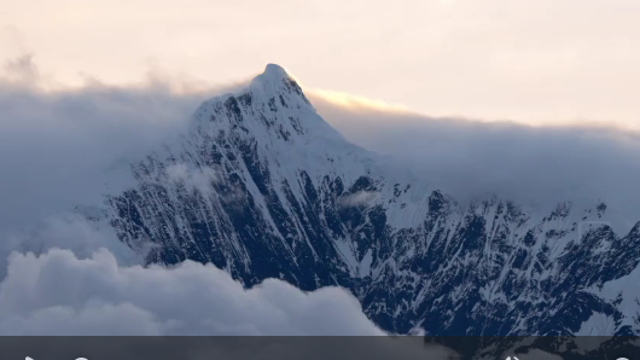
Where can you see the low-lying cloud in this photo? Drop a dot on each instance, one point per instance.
(59, 294)
(58, 147)
(533, 165)
(65, 231)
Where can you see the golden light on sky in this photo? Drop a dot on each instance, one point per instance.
(544, 61)
(354, 102)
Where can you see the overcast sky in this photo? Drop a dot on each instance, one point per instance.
(535, 61)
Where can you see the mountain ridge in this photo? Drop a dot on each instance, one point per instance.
(262, 186)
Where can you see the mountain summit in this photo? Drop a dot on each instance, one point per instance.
(275, 73)
(263, 187)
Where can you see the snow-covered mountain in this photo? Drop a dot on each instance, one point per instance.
(263, 187)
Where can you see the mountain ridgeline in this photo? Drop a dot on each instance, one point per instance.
(263, 187)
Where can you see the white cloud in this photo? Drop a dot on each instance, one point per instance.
(57, 147)
(198, 178)
(58, 293)
(358, 198)
(66, 231)
(66, 277)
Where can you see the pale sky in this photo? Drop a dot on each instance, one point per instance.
(534, 61)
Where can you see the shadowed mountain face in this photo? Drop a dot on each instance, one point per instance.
(263, 187)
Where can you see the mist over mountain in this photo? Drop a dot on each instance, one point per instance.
(260, 185)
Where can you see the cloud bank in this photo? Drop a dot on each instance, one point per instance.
(57, 147)
(530, 164)
(59, 294)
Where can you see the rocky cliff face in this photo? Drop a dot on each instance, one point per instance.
(262, 187)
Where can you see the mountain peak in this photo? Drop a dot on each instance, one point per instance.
(275, 71)
(273, 106)
(274, 74)
(275, 80)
